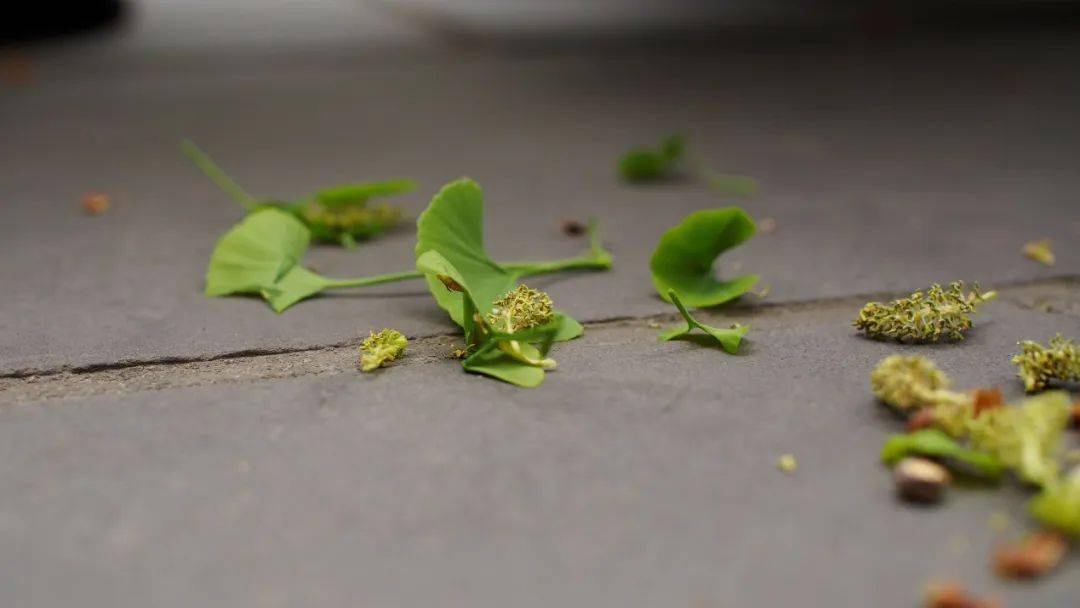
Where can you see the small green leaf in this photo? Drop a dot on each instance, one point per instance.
(1058, 505)
(349, 194)
(684, 258)
(263, 255)
(645, 165)
(936, 444)
(497, 364)
(729, 337)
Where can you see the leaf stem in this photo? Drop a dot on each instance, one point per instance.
(378, 279)
(221, 179)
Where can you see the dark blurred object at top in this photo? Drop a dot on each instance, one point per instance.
(26, 21)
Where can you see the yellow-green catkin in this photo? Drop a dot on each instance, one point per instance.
(380, 348)
(925, 316)
(1039, 365)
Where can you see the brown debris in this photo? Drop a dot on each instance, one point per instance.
(952, 595)
(922, 419)
(573, 228)
(766, 225)
(1076, 415)
(95, 203)
(987, 399)
(1031, 557)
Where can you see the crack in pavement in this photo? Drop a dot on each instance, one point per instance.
(1059, 295)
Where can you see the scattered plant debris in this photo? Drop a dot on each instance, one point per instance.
(1039, 364)
(933, 443)
(341, 214)
(1031, 557)
(1040, 251)
(479, 294)
(264, 253)
(381, 348)
(924, 316)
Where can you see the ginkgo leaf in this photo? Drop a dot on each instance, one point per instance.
(262, 255)
(728, 337)
(684, 258)
(453, 226)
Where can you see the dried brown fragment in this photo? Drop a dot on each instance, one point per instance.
(920, 480)
(95, 203)
(573, 228)
(450, 283)
(766, 225)
(1075, 418)
(952, 595)
(922, 419)
(987, 399)
(1031, 557)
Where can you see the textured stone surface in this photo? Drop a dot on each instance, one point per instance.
(640, 473)
(880, 174)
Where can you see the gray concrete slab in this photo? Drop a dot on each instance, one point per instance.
(640, 474)
(884, 170)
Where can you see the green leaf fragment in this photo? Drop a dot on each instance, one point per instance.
(645, 165)
(729, 337)
(936, 444)
(1025, 438)
(684, 258)
(1058, 505)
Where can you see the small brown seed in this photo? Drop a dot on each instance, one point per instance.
(1031, 557)
(95, 203)
(573, 228)
(920, 480)
(951, 595)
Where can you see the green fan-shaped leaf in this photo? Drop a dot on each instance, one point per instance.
(684, 258)
(262, 255)
(728, 337)
(453, 226)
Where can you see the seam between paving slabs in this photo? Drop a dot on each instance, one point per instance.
(261, 364)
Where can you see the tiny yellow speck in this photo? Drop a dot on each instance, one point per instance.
(652, 325)
(787, 463)
(1040, 251)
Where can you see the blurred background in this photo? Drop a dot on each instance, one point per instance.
(289, 26)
